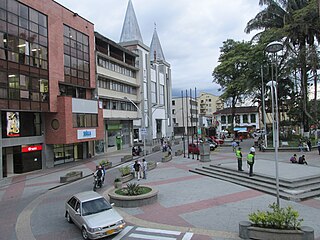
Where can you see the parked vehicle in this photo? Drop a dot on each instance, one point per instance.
(219, 141)
(193, 148)
(94, 215)
(213, 144)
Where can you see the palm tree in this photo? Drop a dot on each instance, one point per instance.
(297, 23)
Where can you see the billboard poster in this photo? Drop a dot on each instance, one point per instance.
(13, 124)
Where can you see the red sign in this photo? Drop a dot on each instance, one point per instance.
(32, 148)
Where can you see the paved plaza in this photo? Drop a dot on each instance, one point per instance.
(198, 207)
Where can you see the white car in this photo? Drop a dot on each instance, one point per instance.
(94, 215)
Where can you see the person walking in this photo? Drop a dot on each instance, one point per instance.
(234, 145)
(318, 145)
(144, 168)
(250, 162)
(309, 145)
(137, 168)
(239, 158)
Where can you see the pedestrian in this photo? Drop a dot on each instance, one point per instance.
(302, 160)
(300, 145)
(253, 150)
(239, 158)
(318, 146)
(234, 145)
(144, 168)
(309, 145)
(250, 162)
(293, 159)
(137, 168)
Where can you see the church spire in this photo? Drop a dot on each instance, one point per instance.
(130, 28)
(156, 53)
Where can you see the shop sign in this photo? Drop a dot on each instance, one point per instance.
(87, 133)
(32, 148)
(13, 124)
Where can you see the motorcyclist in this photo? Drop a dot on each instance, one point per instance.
(98, 176)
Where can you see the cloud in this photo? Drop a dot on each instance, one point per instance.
(191, 32)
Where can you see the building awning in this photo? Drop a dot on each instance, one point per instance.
(240, 129)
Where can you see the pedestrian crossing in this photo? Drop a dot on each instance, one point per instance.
(134, 233)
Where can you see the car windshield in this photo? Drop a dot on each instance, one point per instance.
(95, 206)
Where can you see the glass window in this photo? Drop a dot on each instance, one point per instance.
(12, 18)
(245, 118)
(23, 11)
(42, 20)
(3, 93)
(44, 87)
(33, 27)
(14, 94)
(3, 14)
(33, 15)
(67, 60)
(43, 31)
(3, 4)
(13, 29)
(253, 118)
(13, 6)
(223, 119)
(24, 82)
(13, 81)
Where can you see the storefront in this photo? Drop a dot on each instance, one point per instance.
(21, 159)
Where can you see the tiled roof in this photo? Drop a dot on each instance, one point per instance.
(238, 110)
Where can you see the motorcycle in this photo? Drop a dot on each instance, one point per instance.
(97, 182)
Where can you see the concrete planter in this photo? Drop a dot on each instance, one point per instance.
(117, 184)
(166, 158)
(126, 178)
(151, 165)
(248, 231)
(72, 176)
(127, 158)
(133, 201)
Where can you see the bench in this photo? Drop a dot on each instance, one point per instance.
(127, 158)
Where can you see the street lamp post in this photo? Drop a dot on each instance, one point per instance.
(142, 124)
(273, 48)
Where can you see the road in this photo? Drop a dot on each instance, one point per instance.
(47, 221)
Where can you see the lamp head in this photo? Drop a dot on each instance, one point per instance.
(274, 47)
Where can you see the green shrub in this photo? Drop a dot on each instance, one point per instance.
(125, 171)
(133, 189)
(103, 162)
(278, 218)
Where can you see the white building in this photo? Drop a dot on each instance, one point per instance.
(154, 77)
(246, 119)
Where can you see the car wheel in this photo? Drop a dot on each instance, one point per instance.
(68, 217)
(84, 233)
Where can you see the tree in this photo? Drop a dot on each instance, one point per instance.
(297, 23)
(232, 72)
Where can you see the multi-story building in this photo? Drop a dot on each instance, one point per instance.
(154, 100)
(116, 82)
(185, 115)
(47, 74)
(208, 104)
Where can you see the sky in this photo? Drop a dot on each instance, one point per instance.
(191, 32)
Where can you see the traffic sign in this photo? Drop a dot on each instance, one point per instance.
(143, 131)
